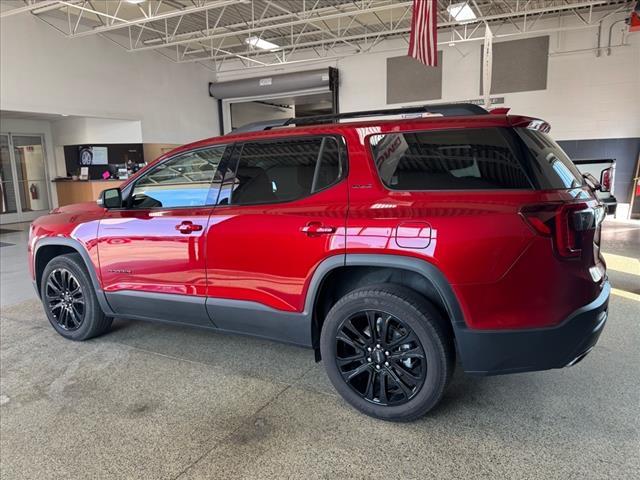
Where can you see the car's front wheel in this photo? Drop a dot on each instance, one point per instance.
(70, 301)
(387, 352)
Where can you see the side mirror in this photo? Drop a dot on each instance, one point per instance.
(592, 181)
(110, 198)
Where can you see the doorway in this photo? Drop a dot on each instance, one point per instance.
(281, 107)
(24, 185)
(275, 97)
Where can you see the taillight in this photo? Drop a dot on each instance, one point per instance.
(605, 179)
(563, 222)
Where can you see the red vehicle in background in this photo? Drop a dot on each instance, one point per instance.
(390, 247)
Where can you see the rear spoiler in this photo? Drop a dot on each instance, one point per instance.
(530, 123)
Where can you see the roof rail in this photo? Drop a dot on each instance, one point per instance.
(445, 109)
(263, 125)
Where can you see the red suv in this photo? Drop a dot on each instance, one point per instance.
(390, 247)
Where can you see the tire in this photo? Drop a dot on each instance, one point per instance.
(65, 281)
(411, 385)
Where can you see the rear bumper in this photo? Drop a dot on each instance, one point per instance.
(497, 352)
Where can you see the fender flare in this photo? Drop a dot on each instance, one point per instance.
(422, 267)
(80, 248)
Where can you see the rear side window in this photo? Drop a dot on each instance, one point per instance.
(550, 166)
(465, 159)
(283, 170)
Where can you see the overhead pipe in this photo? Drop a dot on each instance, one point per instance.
(610, 32)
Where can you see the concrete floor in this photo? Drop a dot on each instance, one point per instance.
(162, 402)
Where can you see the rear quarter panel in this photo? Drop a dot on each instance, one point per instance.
(503, 274)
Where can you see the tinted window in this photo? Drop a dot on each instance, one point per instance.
(183, 181)
(468, 159)
(282, 170)
(551, 167)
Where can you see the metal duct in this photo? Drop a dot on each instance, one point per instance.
(271, 84)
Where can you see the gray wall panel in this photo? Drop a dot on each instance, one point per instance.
(518, 65)
(408, 80)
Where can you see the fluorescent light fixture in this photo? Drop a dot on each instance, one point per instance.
(261, 44)
(461, 12)
(135, 1)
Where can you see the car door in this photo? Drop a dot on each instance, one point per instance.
(280, 212)
(152, 251)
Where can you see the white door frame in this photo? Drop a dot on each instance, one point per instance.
(21, 216)
(226, 102)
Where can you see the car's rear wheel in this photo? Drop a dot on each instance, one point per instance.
(70, 301)
(387, 352)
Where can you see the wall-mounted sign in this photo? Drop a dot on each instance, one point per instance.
(480, 101)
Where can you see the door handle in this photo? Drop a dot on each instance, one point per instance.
(316, 228)
(187, 227)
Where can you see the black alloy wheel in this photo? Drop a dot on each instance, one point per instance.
(387, 351)
(380, 357)
(65, 299)
(70, 300)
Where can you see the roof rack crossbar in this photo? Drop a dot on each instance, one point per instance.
(445, 109)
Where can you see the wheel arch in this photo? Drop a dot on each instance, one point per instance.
(357, 270)
(47, 249)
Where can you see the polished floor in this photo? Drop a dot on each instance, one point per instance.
(163, 402)
(15, 284)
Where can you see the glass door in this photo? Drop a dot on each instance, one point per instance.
(23, 177)
(8, 200)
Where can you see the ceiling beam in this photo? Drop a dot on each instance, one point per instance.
(119, 23)
(339, 55)
(264, 25)
(505, 15)
(466, 35)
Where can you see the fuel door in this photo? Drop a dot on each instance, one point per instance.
(413, 235)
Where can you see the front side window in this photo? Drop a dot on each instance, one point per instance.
(182, 181)
(465, 159)
(282, 170)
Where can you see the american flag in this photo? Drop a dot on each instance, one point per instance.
(423, 41)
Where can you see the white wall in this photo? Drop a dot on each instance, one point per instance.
(44, 72)
(586, 97)
(80, 130)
